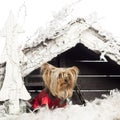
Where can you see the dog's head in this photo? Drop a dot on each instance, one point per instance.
(59, 81)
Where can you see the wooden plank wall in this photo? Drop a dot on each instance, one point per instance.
(95, 78)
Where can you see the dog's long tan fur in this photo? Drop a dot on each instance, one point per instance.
(59, 81)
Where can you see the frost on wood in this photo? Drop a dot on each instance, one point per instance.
(101, 43)
(51, 46)
(45, 47)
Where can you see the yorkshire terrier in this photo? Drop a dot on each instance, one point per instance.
(59, 85)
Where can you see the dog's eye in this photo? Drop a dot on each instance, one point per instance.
(69, 76)
(60, 75)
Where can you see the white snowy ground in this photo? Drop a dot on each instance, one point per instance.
(99, 109)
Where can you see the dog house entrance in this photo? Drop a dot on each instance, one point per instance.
(95, 78)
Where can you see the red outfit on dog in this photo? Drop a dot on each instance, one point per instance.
(43, 98)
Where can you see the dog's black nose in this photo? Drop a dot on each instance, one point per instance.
(66, 80)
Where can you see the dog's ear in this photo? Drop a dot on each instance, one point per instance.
(74, 70)
(46, 73)
(46, 66)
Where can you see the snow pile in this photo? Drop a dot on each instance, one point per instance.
(99, 109)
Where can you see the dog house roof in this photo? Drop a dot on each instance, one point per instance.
(45, 47)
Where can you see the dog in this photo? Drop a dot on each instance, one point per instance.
(59, 85)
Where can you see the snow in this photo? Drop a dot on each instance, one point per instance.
(99, 109)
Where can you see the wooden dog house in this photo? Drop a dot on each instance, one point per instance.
(96, 76)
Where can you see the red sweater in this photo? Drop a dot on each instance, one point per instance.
(43, 98)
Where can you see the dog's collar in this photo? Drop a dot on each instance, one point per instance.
(49, 94)
(62, 102)
(54, 97)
